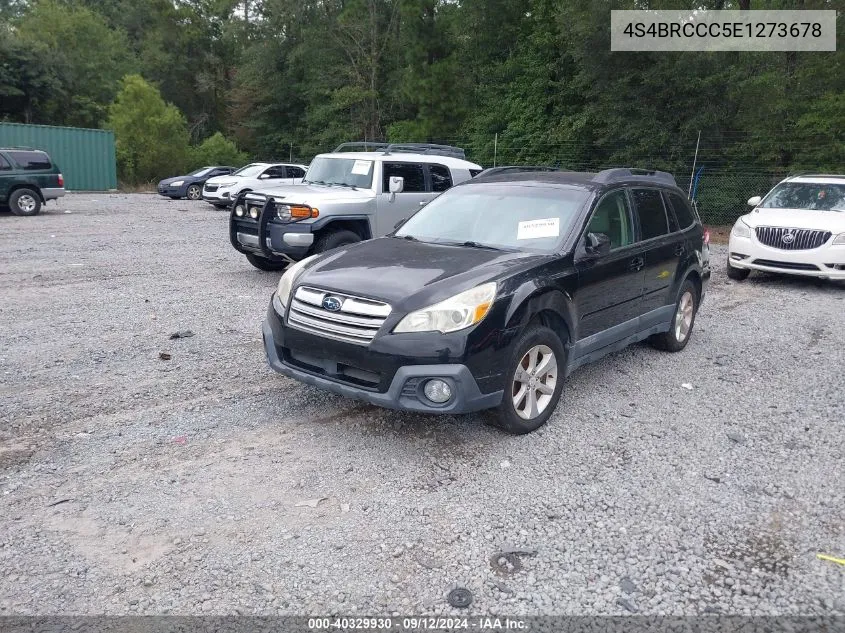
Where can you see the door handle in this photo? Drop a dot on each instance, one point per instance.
(636, 264)
(679, 249)
(423, 202)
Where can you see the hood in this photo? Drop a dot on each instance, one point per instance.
(833, 221)
(216, 180)
(313, 195)
(167, 181)
(410, 275)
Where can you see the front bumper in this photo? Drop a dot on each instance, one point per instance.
(827, 261)
(280, 241)
(220, 196)
(167, 190)
(400, 386)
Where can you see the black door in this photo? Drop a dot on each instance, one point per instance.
(610, 287)
(663, 250)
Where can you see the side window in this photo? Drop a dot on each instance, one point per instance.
(4, 164)
(650, 211)
(296, 172)
(411, 172)
(613, 218)
(670, 215)
(277, 171)
(31, 160)
(441, 177)
(682, 210)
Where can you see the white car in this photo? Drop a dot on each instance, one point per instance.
(222, 190)
(798, 229)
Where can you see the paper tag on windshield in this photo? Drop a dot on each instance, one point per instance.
(361, 167)
(536, 229)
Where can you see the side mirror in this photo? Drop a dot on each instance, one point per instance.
(397, 185)
(753, 202)
(598, 244)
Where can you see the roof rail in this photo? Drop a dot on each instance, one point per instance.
(625, 173)
(368, 146)
(515, 169)
(414, 148)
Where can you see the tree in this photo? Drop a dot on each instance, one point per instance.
(93, 58)
(151, 136)
(217, 150)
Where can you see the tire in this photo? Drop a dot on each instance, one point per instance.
(262, 263)
(533, 347)
(683, 320)
(194, 192)
(335, 239)
(737, 274)
(25, 202)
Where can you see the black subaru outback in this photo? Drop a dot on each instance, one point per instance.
(494, 292)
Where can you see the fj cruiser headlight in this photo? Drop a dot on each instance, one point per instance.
(178, 183)
(455, 313)
(839, 239)
(741, 229)
(283, 212)
(286, 282)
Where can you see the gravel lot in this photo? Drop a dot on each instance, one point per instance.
(209, 484)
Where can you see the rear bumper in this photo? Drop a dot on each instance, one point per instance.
(826, 261)
(51, 193)
(404, 390)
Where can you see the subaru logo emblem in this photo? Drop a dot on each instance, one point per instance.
(788, 238)
(333, 304)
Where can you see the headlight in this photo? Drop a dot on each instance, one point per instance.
(286, 282)
(455, 313)
(225, 184)
(178, 183)
(254, 212)
(239, 210)
(741, 229)
(283, 212)
(839, 239)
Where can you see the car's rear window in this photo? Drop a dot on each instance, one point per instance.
(31, 160)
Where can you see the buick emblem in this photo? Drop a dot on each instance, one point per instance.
(332, 304)
(787, 238)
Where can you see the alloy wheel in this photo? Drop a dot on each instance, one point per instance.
(534, 382)
(27, 203)
(683, 316)
(194, 192)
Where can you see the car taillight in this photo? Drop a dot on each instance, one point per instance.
(61, 181)
(706, 237)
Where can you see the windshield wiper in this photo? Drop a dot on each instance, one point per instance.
(317, 182)
(410, 238)
(472, 244)
(345, 184)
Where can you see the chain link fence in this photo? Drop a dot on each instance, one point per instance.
(721, 195)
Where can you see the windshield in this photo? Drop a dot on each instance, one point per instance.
(250, 171)
(201, 171)
(508, 216)
(806, 195)
(350, 172)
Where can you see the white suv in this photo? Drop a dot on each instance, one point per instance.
(221, 191)
(798, 229)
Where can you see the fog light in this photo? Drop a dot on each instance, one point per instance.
(253, 212)
(438, 391)
(239, 211)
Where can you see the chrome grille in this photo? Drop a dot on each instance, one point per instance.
(211, 188)
(791, 239)
(357, 321)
